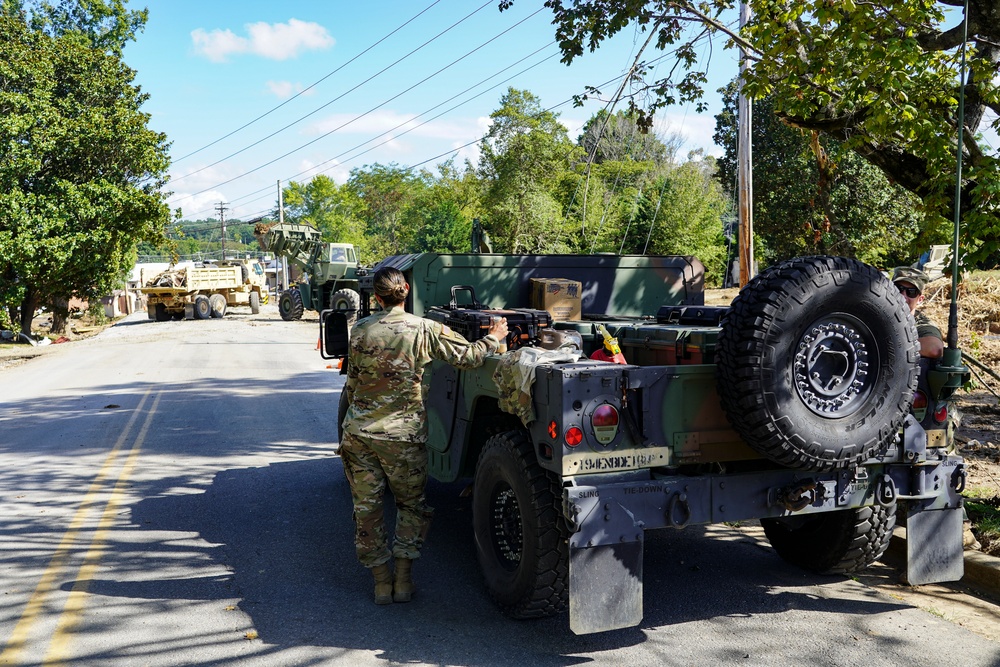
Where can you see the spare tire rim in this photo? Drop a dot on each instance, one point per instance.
(833, 371)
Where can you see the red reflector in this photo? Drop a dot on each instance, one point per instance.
(919, 400)
(941, 414)
(574, 436)
(606, 415)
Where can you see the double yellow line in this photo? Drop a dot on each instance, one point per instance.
(73, 608)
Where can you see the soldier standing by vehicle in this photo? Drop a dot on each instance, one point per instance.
(385, 430)
(911, 283)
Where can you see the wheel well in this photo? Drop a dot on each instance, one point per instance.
(487, 420)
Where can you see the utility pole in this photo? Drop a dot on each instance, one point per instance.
(744, 169)
(221, 208)
(284, 264)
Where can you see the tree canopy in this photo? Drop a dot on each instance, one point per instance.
(80, 171)
(881, 77)
(832, 203)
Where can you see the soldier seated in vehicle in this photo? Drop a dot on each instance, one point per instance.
(911, 283)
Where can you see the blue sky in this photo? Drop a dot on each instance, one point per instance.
(386, 81)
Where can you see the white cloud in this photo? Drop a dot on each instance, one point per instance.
(279, 41)
(285, 89)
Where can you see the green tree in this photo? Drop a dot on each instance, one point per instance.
(383, 193)
(618, 137)
(849, 209)
(881, 77)
(681, 214)
(327, 207)
(523, 156)
(80, 171)
(100, 24)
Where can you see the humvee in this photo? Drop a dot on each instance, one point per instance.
(804, 405)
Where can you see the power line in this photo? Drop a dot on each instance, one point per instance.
(407, 122)
(320, 108)
(308, 88)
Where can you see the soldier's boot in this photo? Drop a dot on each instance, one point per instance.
(383, 584)
(402, 587)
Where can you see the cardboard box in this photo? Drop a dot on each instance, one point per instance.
(559, 296)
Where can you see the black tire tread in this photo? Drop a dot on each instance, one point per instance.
(550, 594)
(294, 309)
(840, 542)
(741, 347)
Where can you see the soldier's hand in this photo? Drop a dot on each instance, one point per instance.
(499, 328)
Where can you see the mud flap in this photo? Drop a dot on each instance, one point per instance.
(605, 587)
(934, 551)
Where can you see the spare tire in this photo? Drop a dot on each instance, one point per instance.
(817, 363)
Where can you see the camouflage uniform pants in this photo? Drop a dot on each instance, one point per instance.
(371, 465)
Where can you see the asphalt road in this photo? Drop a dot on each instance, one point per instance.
(171, 495)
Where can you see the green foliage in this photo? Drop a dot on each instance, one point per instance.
(534, 191)
(382, 194)
(522, 158)
(80, 172)
(99, 24)
(682, 215)
(330, 208)
(883, 78)
(860, 214)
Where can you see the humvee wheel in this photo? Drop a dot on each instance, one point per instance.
(817, 363)
(833, 542)
(219, 304)
(290, 305)
(255, 303)
(346, 299)
(521, 537)
(202, 307)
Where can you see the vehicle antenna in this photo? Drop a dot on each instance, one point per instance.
(953, 312)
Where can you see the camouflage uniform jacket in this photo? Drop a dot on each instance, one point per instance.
(388, 352)
(925, 327)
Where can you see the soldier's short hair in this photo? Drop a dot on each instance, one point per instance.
(390, 285)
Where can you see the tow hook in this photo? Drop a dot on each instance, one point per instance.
(678, 500)
(959, 478)
(885, 491)
(796, 497)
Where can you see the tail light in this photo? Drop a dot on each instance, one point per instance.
(605, 422)
(941, 413)
(919, 407)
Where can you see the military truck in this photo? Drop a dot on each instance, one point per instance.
(330, 270)
(202, 292)
(804, 405)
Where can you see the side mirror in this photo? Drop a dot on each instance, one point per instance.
(334, 334)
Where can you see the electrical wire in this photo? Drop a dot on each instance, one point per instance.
(310, 86)
(339, 97)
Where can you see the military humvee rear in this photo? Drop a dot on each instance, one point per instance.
(791, 406)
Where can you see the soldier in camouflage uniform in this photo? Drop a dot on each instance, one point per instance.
(385, 431)
(911, 283)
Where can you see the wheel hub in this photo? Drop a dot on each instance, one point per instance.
(832, 371)
(505, 520)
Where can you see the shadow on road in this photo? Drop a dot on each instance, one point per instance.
(285, 533)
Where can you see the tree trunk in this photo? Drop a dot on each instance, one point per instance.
(28, 306)
(60, 315)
